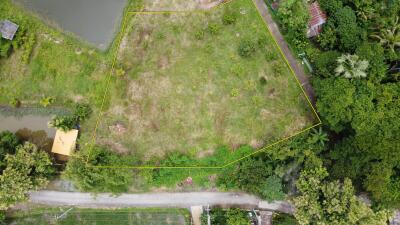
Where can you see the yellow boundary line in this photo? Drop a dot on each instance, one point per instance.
(115, 48)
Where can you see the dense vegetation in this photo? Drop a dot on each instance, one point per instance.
(356, 79)
(23, 167)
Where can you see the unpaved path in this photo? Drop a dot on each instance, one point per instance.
(185, 200)
(298, 69)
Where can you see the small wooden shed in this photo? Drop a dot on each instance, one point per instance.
(65, 142)
(8, 29)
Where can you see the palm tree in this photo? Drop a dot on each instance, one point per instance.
(350, 66)
(389, 36)
(318, 137)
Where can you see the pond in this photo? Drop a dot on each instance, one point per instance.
(31, 122)
(32, 128)
(95, 21)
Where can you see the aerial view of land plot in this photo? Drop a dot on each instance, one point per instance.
(191, 82)
(231, 112)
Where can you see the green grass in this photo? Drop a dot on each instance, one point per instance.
(59, 66)
(131, 216)
(186, 89)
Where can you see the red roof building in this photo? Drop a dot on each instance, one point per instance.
(318, 18)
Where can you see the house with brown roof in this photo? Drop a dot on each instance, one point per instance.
(318, 18)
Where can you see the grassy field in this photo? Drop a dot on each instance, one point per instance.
(200, 84)
(133, 216)
(51, 64)
(183, 87)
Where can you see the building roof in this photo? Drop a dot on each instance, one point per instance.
(8, 29)
(65, 142)
(318, 17)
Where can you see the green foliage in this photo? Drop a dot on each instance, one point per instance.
(350, 66)
(28, 169)
(28, 47)
(246, 48)
(323, 202)
(229, 17)
(325, 63)
(213, 28)
(5, 47)
(83, 170)
(199, 34)
(284, 219)
(246, 175)
(348, 32)
(335, 96)
(8, 144)
(272, 189)
(294, 15)
(330, 6)
(375, 55)
(64, 123)
(82, 112)
(46, 101)
(236, 216)
(15, 102)
(2, 217)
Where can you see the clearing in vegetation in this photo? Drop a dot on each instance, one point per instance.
(188, 83)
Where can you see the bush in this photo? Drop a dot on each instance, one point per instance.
(64, 123)
(15, 102)
(214, 28)
(272, 189)
(82, 112)
(246, 48)
(46, 101)
(88, 177)
(229, 17)
(325, 63)
(199, 35)
(5, 48)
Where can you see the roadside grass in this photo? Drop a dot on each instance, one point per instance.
(132, 216)
(58, 65)
(183, 87)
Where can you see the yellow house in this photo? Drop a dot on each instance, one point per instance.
(65, 142)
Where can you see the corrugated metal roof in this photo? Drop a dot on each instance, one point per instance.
(318, 17)
(8, 29)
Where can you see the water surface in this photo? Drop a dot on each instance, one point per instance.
(93, 20)
(26, 122)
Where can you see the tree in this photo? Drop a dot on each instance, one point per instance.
(29, 169)
(323, 202)
(236, 216)
(350, 66)
(335, 96)
(8, 143)
(318, 137)
(389, 36)
(85, 171)
(348, 32)
(246, 175)
(294, 15)
(272, 189)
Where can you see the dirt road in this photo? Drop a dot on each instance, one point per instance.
(183, 200)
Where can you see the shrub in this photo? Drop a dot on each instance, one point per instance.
(270, 56)
(214, 28)
(46, 101)
(229, 17)
(88, 177)
(28, 47)
(246, 48)
(15, 102)
(199, 35)
(82, 112)
(272, 189)
(64, 123)
(5, 48)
